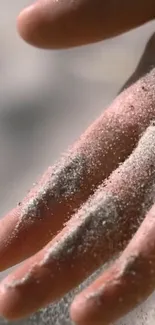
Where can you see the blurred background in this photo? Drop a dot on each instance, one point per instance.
(47, 98)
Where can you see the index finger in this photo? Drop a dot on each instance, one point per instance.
(62, 24)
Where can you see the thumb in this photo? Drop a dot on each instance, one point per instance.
(67, 23)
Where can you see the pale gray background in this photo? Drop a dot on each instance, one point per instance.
(43, 92)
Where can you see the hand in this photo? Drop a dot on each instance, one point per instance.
(73, 220)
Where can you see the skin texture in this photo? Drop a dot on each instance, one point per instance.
(46, 217)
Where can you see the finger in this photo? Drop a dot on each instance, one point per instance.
(125, 285)
(61, 24)
(69, 183)
(98, 230)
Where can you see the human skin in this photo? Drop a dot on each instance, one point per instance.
(63, 23)
(50, 204)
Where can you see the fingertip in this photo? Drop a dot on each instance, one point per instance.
(83, 310)
(47, 25)
(77, 310)
(27, 25)
(8, 302)
(7, 237)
